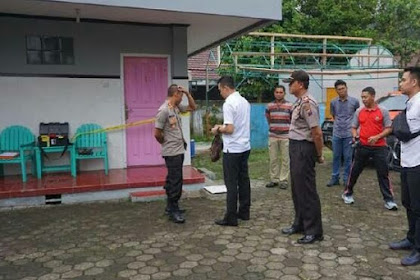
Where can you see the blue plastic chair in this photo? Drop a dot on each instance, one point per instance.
(18, 139)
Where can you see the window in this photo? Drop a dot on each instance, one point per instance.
(49, 50)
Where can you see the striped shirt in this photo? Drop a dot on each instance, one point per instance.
(278, 117)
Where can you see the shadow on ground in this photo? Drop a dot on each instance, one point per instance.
(135, 241)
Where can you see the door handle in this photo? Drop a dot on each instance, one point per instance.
(126, 111)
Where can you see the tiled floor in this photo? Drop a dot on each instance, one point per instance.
(60, 183)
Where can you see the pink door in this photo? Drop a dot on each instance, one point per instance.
(145, 89)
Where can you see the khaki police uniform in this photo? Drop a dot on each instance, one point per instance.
(302, 151)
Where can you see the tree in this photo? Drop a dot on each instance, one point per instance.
(398, 27)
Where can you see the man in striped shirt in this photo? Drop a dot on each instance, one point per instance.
(278, 118)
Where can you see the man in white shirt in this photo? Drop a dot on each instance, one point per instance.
(236, 149)
(410, 173)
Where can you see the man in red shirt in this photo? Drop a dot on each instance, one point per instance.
(375, 124)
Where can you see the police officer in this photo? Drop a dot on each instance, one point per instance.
(305, 148)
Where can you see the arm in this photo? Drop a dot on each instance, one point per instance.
(316, 133)
(386, 122)
(191, 102)
(354, 133)
(373, 139)
(332, 112)
(159, 135)
(223, 129)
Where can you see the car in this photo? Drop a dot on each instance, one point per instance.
(394, 102)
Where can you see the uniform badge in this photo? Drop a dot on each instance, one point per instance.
(377, 118)
(306, 105)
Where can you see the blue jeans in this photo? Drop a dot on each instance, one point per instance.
(342, 152)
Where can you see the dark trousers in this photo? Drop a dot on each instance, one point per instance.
(410, 196)
(305, 197)
(361, 158)
(174, 179)
(235, 173)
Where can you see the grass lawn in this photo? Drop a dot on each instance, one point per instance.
(258, 163)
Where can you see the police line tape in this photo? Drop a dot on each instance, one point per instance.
(118, 127)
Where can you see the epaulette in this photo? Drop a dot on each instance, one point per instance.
(305, 99)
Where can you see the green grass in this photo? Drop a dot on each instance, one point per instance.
(258, 163)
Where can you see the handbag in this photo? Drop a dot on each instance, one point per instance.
(216, 148)
(400, 128)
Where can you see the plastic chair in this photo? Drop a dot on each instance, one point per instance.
(90, 144)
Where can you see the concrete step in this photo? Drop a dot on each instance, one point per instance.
(143, 196)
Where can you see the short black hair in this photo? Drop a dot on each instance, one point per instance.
(227, 81)
(280, 86)
(340, 83)
(370, 90)
(414, 72)
(172, 89)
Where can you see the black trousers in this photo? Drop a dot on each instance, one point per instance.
(235, 173)
(173, 185)
(410, 196)
(305, 197)
(361, 158)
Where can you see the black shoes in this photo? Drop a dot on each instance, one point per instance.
(271, 185)
(309, 239)
(412, 259)
(333, 182)
(176, 217)
(290, 230)
(404, 244)
(243, 217)
(224, 222)
(180, 210)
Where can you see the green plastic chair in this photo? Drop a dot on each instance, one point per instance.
(18, 139)
(90, 145)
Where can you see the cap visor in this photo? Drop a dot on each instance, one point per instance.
(288, 80)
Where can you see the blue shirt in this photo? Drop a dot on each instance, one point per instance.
(343, 112)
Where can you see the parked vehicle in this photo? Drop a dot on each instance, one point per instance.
(394, 103)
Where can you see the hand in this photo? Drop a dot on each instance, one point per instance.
(215, 129)
(321, 159)
(372, 140)
(182, 89)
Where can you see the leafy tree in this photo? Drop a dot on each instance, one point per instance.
(398, 27)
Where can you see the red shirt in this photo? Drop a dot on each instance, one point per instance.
(372, 122)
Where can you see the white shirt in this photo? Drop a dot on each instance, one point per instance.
(237, 111)
(410, 151)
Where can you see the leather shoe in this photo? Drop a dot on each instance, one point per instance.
(271, 185)
(168, 211)
(176, 217)
(309, 239)
(412, 259)
(243, 217)
(404, 244)
(224, 222)
(290, 230)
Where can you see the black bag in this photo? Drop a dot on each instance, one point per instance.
(53, 134)
(400, 128)
(216, 148)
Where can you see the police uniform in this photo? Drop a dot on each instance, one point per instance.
(302, 151)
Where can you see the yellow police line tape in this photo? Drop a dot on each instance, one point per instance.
(117, 127)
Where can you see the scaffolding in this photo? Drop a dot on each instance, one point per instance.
(266, 55)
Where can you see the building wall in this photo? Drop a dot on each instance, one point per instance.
(382, 83)
(91, 90)
(31, 100)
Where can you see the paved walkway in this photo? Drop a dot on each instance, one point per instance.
(135, 241)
